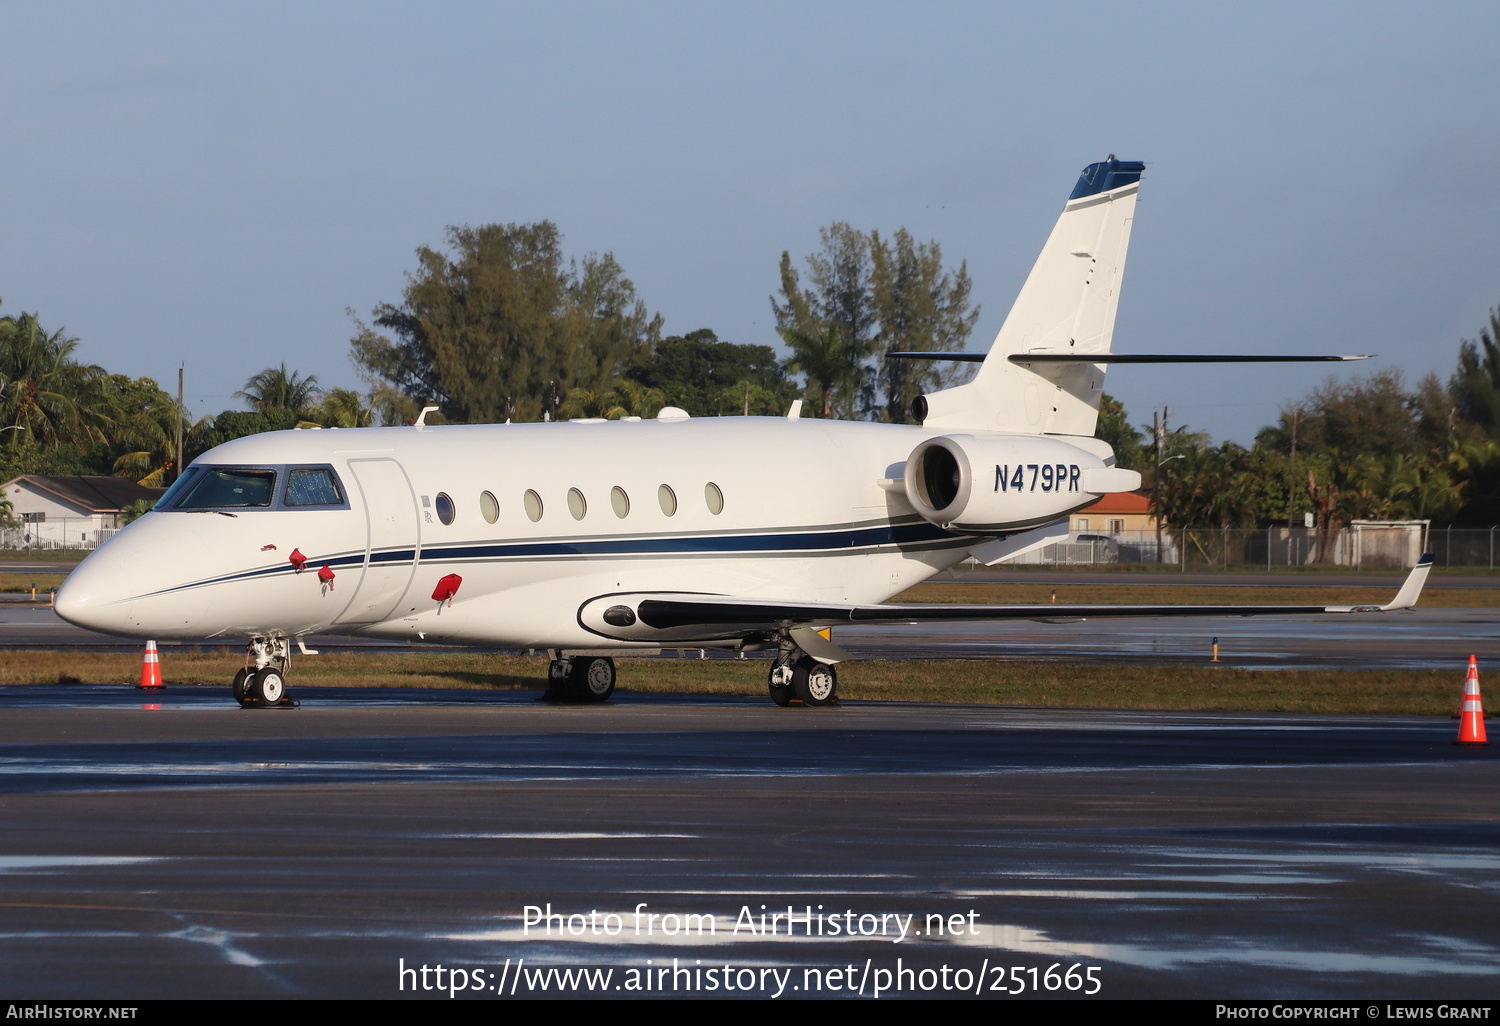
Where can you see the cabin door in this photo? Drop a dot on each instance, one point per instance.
(391, 541)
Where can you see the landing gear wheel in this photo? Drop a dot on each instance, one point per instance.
(780, 682)
(558, 687)
(814, 683)
(241, 687)
(592, 679)
(268, 686)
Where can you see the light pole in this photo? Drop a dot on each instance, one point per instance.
(1156, 497)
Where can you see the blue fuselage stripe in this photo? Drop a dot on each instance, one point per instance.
(829, 541)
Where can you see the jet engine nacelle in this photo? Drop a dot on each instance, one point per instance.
(998, 483)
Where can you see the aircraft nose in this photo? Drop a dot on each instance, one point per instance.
(96, 595)
(128, 586)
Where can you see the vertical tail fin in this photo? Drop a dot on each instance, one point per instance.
(1066, 306)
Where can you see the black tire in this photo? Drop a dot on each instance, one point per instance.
(592, 679)
(241, 687)
(268, 686)
(814, 683)
(781, 693)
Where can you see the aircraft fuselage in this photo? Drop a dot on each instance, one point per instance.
(537, 520)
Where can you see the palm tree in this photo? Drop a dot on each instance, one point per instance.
(828, 359)
(345, 408)
(636, 400)
(276, 388)
(43, 392)
(625, 398)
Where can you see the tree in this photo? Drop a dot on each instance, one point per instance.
(344, 408)
(824, 358)
(1347, 419)
(143, 436)
(706, 377)
(495, 328)
(626, 399)
(1476, 384)
(1114, 428)
(870, 295)
(830, 326)
(232, 424)
(919, 307)
(44, 392)
(276, 388)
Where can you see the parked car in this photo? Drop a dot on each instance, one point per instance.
(1094, 548)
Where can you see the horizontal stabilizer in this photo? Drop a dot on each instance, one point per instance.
(1123, 358)
(1103, 480)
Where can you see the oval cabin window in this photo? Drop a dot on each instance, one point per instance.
(620, 501)
(489, 507)
(714, 498)
(576, 505)
(668, 500)
(533, 505)
(444, 506)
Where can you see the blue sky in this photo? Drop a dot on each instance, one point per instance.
(217, 184)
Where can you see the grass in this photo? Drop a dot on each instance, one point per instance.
(23, 582)
(44, 555)
(961, 592)
(1391, 692)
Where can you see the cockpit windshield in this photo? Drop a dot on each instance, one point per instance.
(223, 487)
(277, 487)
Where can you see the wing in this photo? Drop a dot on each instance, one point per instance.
(680, 617)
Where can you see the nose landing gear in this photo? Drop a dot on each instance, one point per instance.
(261, 682)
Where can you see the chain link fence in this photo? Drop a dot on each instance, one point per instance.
(59, 533)
(1375, 544)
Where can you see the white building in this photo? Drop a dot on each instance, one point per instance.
(69, 512)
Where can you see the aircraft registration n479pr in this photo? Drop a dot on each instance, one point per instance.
(598, 538)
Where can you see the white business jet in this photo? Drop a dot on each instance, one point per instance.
(594, 539)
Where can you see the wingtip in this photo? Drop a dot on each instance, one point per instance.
(1411, 590)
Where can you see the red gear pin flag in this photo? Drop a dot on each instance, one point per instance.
(326, 575)
(1471, 710)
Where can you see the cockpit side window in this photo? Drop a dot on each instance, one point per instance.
(313, 487)
(179, 488)
(225, 487)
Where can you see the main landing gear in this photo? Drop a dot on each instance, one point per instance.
(798, 678)
(261, 682)
(580, 679)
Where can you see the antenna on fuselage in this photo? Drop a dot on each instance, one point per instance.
(421, 420)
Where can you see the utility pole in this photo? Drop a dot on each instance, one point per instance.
(181, 412)
(1159, 431)
(1291, 480)
(1291, 490)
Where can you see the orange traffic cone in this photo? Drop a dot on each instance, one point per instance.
(1471, 710)
(150, 670)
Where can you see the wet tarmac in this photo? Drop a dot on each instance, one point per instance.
(167, 846)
